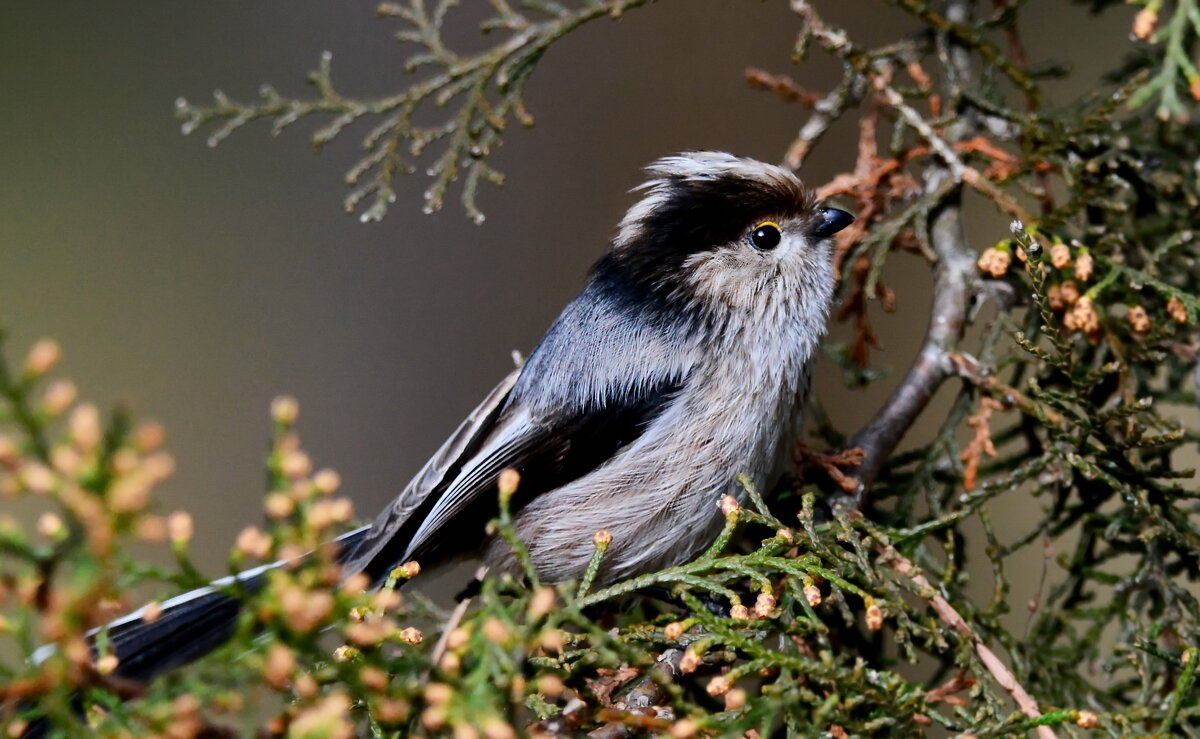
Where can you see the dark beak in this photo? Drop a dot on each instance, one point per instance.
(832, 221)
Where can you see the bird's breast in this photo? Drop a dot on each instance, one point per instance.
(659, 496)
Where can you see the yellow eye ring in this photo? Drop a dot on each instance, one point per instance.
(766, 236)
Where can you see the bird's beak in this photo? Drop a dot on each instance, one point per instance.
(832, 221)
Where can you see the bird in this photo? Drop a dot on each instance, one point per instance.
(682, 364)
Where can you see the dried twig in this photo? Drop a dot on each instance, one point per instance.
(782, 85)
(951, 618)
(825, 111)
(639, 707)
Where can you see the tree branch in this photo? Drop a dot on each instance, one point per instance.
(825, 111)
(951, 618)
(954, 284)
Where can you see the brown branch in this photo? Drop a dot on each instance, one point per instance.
(955, 282)
(948, 692)
(954, 276)
(782, 85)
(1003, 676)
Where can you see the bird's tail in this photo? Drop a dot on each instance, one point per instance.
(182, 629)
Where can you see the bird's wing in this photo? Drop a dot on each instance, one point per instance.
(599, 376)
(548, 451)
(441, 467)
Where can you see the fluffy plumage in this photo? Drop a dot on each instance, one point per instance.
(682, 364)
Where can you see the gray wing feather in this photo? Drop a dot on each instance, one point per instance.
(433, 475)
(475, 427)
(511, 444)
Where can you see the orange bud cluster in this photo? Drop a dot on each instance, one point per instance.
(719, 685)
(1060, 256)
(303, 610)
(253, 542)
(1082, 317)
(278, 666)
(812, 593)
(874, 617)
(542, 601)
(995, 261)
(371, 631)
(180, 527)
(1084, 266)
(1139, 320)
(43, 357)
(689, 662)
(58, 397)
(285, 410)
(764, 605)
(1087, 720)
(496, 631)
(735, 699)
(328, 717)
(1177, 311)
(1144, 23)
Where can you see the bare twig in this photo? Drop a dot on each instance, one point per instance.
(456, 617)
(782, 85)
(825, 111)
(951, 618)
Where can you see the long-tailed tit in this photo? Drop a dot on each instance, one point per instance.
(683, 363)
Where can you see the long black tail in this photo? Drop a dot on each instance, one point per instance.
(186, 628)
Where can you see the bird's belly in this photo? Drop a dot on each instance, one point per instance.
(659, 501)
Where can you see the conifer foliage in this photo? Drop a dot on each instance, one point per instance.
(837, 605)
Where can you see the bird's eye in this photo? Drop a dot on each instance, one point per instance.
(766, 236)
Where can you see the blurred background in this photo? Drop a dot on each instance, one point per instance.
(196, 284)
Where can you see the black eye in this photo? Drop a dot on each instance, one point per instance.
(766, 237)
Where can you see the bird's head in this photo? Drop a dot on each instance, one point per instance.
(720, 230)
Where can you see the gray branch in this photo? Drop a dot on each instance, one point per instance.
(955, 279)
(954, 284)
